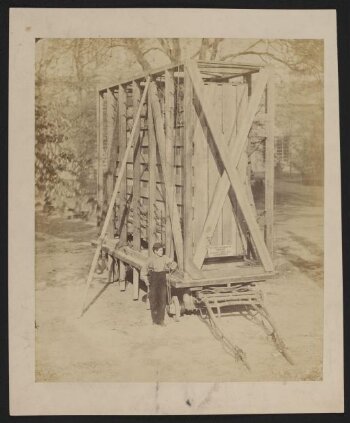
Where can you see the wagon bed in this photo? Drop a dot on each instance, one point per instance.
(227, 275)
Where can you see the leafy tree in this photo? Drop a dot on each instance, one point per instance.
(56, 167)
(69, 70)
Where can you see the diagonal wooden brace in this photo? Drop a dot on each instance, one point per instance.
(168, 177)
(230, 169)
(122, 168)
(222, 188)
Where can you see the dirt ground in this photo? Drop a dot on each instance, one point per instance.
(116, 342)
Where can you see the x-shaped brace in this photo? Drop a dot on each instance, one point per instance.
(229, 158)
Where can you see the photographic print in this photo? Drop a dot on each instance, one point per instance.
(198, 180)
(179, 196)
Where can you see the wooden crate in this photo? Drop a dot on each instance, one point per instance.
(187, 177)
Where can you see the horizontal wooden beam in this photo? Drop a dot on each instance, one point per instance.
(201, 64)
(142, 75)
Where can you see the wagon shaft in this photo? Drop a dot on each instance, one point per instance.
(248, 300)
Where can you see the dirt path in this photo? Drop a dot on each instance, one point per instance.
(115, 340)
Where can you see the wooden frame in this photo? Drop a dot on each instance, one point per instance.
(187, 234)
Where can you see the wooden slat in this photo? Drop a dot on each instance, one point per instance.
(230, 169)
(248, 81)
(136, 170)
(160, 137)
(110, 152)
(169, 150)
(100, 155)
(235, 149)
(98, 150)
(114, 195)
(135, 283)
(122, 141)
(243, 163)
(201, 169)
(110, 110)
(187, 170)
(229, 233)
(213, 173)
(152, 149)
(269, 164)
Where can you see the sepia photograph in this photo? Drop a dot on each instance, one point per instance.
(174, 218)
(179, 210)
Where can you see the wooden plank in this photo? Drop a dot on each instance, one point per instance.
(100, 156)
(170, 195)
(229, 233)
(143, 75)
(135, 283)
(187, 170)
(152, 149)
(248, 80)
(270, 163)
(213, 172)
(169, 91)
(114, 195)
(223, 186)
(98, 123)
(200, 167)
(110, 111)
(110, 161)
(136, 170)
(242, 93)
(122, 141)
(230, 169)
(122, 274)
(243, 163)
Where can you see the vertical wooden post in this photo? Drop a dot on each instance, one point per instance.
(135, 283)
(136, 170)
(269, 163)
(110, 171)
(169, 151)
(187, 170)
(98, 153)
(152, 154)
(100, 156)
(248, 81)
(247, 177)
(122, 141)
(122, 274)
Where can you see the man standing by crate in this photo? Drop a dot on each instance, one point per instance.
(154, 275)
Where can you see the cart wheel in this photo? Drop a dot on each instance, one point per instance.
(174, 308)
(188, 302)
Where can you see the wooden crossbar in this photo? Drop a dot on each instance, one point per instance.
(168, 177)
(223, 185)
(115, 193)
(230, 170)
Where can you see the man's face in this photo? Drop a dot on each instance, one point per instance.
(159, 252)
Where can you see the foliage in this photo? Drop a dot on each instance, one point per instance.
(69, 70)
(56, 167)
